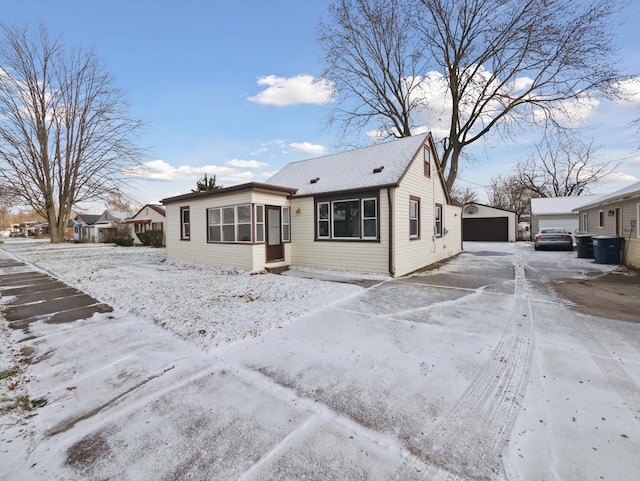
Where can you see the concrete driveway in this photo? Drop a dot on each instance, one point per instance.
(475, 370)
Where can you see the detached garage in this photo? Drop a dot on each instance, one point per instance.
(489, 224)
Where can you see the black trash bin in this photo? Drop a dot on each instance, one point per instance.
(607, 249)
(584, 246)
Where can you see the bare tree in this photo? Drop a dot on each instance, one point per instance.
(371, 57)
(499, 61)
(65, 133)
(508, 193)
(562, 165)
(464, 195)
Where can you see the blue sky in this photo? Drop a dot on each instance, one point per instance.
(224, 88)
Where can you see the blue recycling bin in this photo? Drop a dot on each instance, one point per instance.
(607, 249)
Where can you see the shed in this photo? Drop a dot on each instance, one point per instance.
(485, 223)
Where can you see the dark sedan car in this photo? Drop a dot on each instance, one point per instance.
(553, 238)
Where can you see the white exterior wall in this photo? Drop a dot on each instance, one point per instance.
(569, 222)
(197, 250)
(413, 254)
(358, 256)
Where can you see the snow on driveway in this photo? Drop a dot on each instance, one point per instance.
(474, 370)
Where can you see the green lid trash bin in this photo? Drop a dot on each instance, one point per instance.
(584, 246)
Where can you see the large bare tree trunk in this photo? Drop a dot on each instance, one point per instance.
(65, 135)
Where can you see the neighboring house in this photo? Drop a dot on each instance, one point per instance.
(557, 212)
(485, 223)
(615, 214)
(97, 228)
(83, 229)
(149, 217)
(382, 209)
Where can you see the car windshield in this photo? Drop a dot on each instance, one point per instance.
(553, 231)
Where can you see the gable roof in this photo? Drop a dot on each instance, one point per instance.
(160, 209)
(630, 191)
(352, 170)
(88, 219)
(489, 206)
(560, 205)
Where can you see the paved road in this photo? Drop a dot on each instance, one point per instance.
(474, 370)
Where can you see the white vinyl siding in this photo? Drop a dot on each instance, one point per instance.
(412, 254)
(341, 255)
(243, 255)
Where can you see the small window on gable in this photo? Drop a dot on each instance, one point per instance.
(427, 162)
(601, 219)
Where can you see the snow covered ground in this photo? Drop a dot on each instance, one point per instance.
(472, 371)
(208, 306)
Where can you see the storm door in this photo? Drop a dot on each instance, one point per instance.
(275, 246)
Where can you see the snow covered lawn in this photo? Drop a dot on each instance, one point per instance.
(208, 306)
(476, 370)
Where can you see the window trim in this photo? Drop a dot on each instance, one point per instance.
(414, 200)
(438, 221)
(585, 222)
(601, 219)
(360, 197)
(184, 235)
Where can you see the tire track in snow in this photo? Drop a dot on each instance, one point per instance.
(613, 371)
(467, 442)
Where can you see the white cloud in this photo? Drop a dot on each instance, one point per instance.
(246, 164)
(162, 171)
(630, 90)
(308, 148)
(302, 89)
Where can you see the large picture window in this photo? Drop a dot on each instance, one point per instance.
(347, 219)
(185, 223)
(230, 224)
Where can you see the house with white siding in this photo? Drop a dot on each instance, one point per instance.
(149, 217)
(381, 209)
(615, 215)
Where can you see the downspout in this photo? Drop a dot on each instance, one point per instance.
(392, 269)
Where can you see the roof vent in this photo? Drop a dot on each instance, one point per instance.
(377, 170)
(315, 180)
